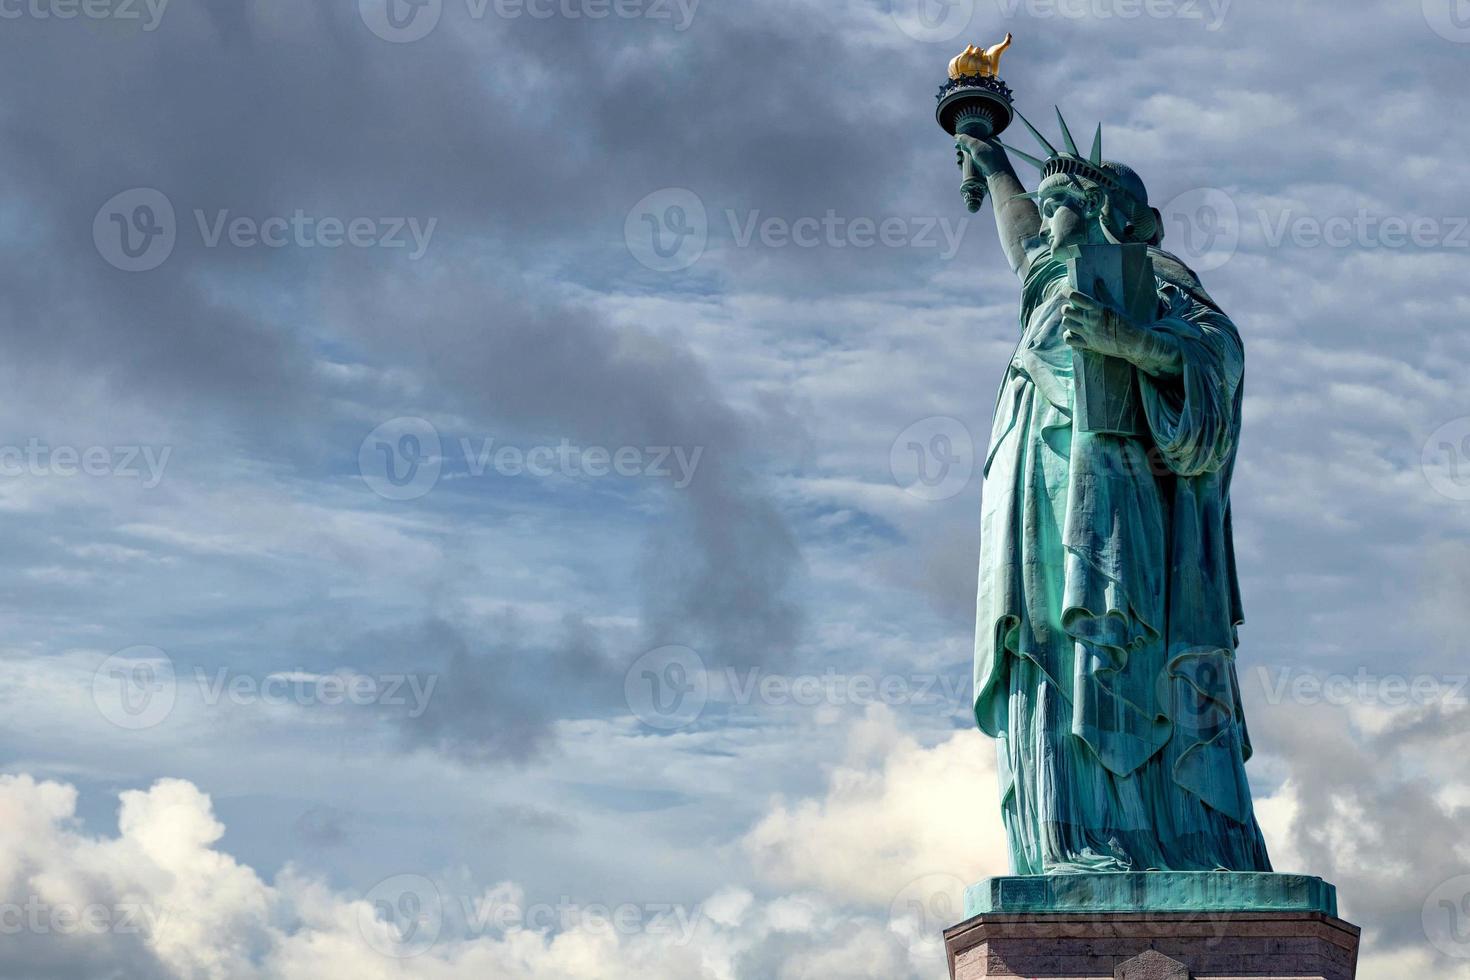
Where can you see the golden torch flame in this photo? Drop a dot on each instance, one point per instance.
(973, 61)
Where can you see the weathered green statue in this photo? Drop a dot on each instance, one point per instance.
(1105, 638)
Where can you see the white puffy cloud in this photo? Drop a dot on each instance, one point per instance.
(919, 811)
(857, 880)
(159, 899)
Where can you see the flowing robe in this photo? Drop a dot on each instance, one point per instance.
(1108, 602)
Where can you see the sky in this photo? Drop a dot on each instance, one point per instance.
(491, 487)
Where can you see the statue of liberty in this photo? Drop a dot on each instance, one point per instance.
(1108, 602)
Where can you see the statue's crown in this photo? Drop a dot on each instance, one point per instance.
(1111, 176)
(1070, 162)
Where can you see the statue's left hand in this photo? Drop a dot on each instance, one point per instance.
(1089, 324)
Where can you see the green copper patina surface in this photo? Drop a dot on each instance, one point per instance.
(1152, 891)
(1108, 602)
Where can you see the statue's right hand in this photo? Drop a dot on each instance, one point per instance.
(989, 155)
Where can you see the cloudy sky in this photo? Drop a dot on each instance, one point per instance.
(489, 487)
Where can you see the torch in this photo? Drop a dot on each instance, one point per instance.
(974, 102)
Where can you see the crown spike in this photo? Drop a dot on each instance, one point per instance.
(1038, 164)
(1066, 133)
(1095, 157)
(1051, 150)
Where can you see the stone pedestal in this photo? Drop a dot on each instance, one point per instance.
(1192, 945)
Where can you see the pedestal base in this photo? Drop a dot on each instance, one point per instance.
(1153, 891)
(1197, 945)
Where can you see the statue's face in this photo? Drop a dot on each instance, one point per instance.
(1071, 215)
